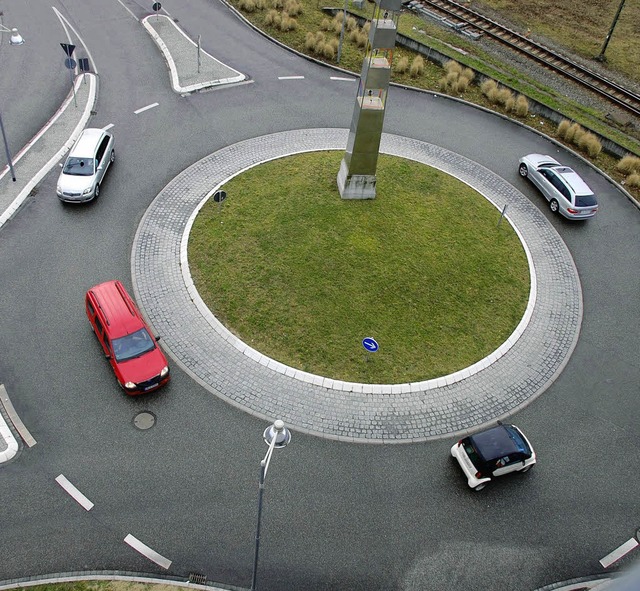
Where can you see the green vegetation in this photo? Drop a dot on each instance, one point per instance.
(622, 53)
(303, 276)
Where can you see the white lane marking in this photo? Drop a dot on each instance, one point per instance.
(342, 79)
(14, 418)
(131, 13)
(146, 551)
(74, 493)
(619, 552)
(107, 127)
(146, 108)
(290, 77)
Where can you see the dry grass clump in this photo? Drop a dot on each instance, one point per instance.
(522, 106)
(629, 164)
(454, 67)
(326, 24)
(572, 133)
(272, 18)
(633, 180)
(292, 7)
(563, 126)
(590, 144)
(417, 66)
(401, 65)
(456, 78)
(489, 87)
(276, 4)
(505, 96)
(288, 23)
(310, 42)
(247, 5)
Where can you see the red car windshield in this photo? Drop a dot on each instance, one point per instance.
(133, 345)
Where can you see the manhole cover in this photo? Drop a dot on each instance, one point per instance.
(144, 420)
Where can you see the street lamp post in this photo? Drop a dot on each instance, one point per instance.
(15, 39)
(276, 436)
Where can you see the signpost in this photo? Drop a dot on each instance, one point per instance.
(370, 345)
(157, 6)
(70, 64)
(219, 197)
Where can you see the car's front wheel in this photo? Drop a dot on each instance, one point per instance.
(479, 487)
(97, 192)
(523, 170)
(553, 204)
(527, 468)
(113, 156)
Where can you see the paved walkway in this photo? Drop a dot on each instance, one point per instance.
(509, 378)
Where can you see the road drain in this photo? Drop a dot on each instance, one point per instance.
(144, 420)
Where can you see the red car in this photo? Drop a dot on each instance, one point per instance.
(128, 343)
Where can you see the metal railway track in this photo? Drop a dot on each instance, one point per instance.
(464, 17)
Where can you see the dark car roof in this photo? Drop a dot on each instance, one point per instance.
(498, 442)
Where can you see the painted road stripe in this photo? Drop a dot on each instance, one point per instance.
(342, 79)
(619, 552)
(74, 492)
(146, 108)
(290, 77)
(14, 418)
(148, 552)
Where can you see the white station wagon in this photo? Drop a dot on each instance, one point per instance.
(85, 166)
(564, 189)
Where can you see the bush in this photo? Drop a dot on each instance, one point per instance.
(629, 164)
(570, 134)
(320, 37)
(522, 106)
(510, 103)
(505, 96)
(334, 43)
(417, 66)
(247, 5)
(272, 18)
(287, 23)
(633, 180)
(590, 144)
(310, 42)
(492, 94)
(326, 24)
(351, 24)
(336, 26)
(328, 51)
(461, 84)
(563, 126)
(469, 74)
(452, 66)
(361, 38)
(353, 36)
(276, 4)
(261, 4)
(402, 65)
(366, 28)
(579, 132)
(292, 7)
(489, 86)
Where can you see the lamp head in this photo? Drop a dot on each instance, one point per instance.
(278, 431)
(16, 38)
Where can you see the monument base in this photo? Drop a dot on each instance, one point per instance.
(356, 186)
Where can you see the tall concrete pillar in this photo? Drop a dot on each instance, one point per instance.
(357, 175)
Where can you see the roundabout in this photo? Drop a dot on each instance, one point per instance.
(518, 371)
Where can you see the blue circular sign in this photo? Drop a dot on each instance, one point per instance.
(370, 344)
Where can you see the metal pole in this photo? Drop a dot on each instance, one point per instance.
(264, 466)
(6, 148)
(344, 22)
(601, 57)
(198, 54)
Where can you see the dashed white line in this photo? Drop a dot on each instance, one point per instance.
(74, 492)
(290, 77)
(342, 79)
(146, 108)
(147, 552)
(619, 552)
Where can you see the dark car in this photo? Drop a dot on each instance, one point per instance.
(494, 452)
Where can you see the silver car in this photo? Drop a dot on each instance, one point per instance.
(85, 166)
(565, 191)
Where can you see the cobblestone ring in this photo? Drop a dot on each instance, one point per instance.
(521, 369)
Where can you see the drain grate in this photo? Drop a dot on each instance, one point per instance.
(144, 420)
(197, 579)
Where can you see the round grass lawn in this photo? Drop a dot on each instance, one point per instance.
(303, 276)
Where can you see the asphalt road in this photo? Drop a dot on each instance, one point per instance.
(337, 515)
